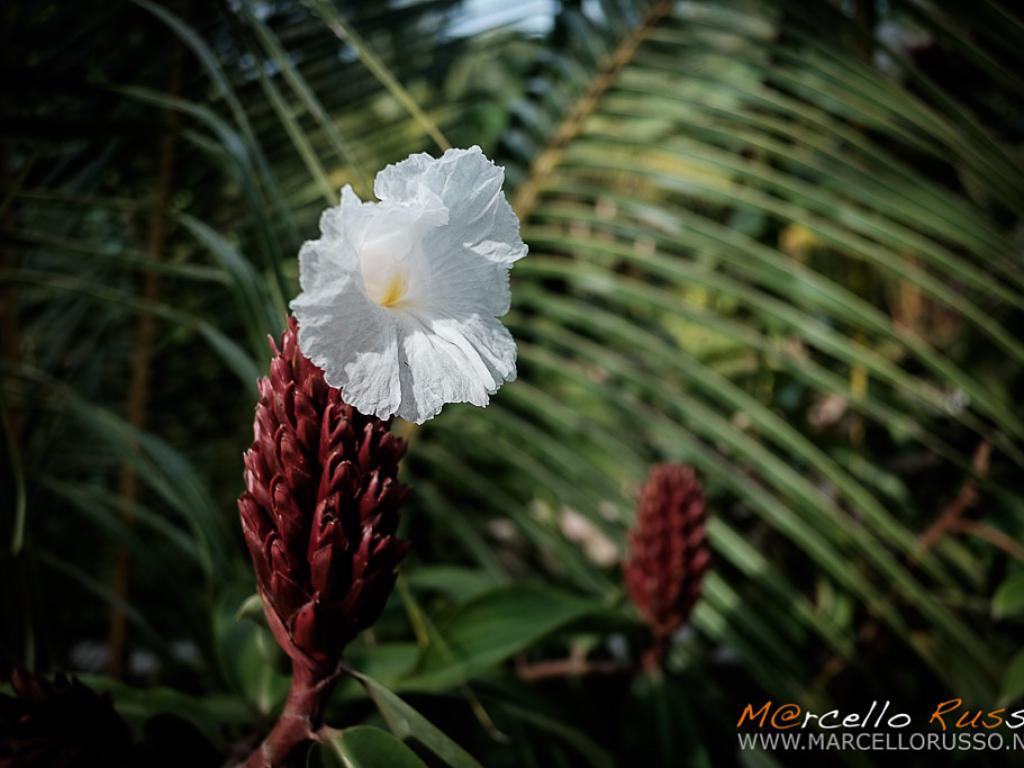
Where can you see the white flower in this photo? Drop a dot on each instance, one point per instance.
(400, 298)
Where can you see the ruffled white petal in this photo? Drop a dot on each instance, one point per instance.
(400, 298)
(469, 185)
(452, 360)
(355, 343)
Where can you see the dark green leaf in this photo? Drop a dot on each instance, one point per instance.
(406, 723)
(1013, 680)
(1009, 597)
(365, 747)
(492, 628)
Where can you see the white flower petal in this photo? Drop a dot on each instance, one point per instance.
(400, 298)
(448, 360)
(469, 185)
(355, 343)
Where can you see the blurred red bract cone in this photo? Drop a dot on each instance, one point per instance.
(60, 724)
(668, 551)
(320, 510)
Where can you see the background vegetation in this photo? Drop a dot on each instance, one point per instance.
(777, 240)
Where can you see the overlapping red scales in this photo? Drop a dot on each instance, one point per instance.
(320, 509)
(668, 551)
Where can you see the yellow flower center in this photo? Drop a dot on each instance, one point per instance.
(394, 290)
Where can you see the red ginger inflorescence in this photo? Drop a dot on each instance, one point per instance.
(320, 509)
(668, 551)
(60, 723)
(319, 515)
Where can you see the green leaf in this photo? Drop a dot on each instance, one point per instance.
(590, 750)
(347, 32)
(663, 729)
(366, 747)
(211, 713)
(455, 582)
(1009, 597)
(1013, 681)
(254, 303)
(248, 654)
(491, 629)
(405, 722)
(381, 661)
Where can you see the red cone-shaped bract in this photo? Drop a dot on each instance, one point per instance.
(668, 552)
(320, 509)
(61, 724)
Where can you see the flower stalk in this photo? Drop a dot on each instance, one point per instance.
(300, 718)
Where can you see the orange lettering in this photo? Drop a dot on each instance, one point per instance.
(787, 713)
(995, 715)
(748, 713)
(963, 721)
(944, 708)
